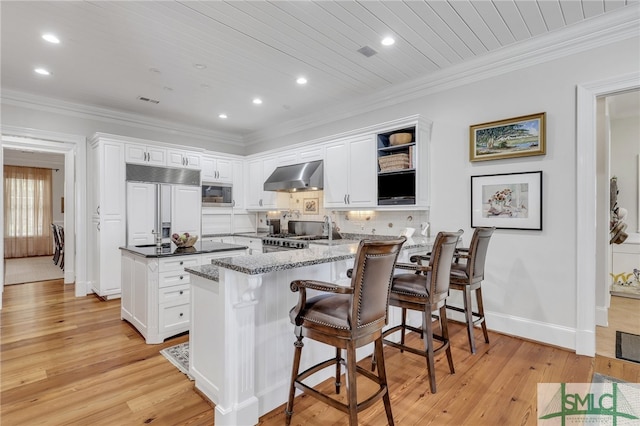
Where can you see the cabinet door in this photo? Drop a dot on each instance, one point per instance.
(336, 174)
(225, 170)
(268, 197)
(136, 154)
(175, 158)
(140, 293)
(141, 213)
(193, 160)
(362, 173)
(238, 184)
(208, 173)
(156, 156)
(254, 184)
(186, 209)
(111, 184)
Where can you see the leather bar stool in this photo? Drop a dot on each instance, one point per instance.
(347, 318)
(467, 276)
(425, 290)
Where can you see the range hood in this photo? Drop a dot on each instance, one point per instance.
(296, 177)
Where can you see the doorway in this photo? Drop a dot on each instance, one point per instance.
(591, 256)
(618, 304)
(73, 147)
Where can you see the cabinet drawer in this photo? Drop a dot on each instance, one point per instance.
(174, 294)
(175, 316)
(168, 279)
(178, 263)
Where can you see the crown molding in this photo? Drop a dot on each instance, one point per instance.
(618, 25)
(72, 109)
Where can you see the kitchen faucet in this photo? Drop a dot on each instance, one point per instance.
(329, 225)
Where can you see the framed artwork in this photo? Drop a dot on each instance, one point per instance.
(510, 138)
(310, 206)
(507, 201)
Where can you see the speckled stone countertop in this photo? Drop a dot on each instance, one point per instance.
(282, 260)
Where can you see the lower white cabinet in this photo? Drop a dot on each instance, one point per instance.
(156, 292)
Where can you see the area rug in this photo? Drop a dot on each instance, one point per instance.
(628, 346)
(31, 269)
(178, 355)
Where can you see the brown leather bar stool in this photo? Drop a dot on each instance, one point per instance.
(425, 290)
(467, 276)
(347, 318)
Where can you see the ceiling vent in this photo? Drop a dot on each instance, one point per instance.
(153, 101)
(367, 51)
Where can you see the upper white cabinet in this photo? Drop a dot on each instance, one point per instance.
(238, 184)
(145, 154)
(215, 169)
(182, 158)
(350, 174)
(258, 170)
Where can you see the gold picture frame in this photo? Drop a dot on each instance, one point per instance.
(511, 138)
(310, 206)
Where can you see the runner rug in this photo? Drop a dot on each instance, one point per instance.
(178, 355)
(628, 346)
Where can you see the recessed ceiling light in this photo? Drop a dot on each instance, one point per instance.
(257, 101)
(51, 38)
(223, 116)
(200, 66)
(387, 41)
(301, 80)
(42, 71)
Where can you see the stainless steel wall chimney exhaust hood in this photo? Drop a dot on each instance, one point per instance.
(296, 177)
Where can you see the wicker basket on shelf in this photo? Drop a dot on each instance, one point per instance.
(389, 163)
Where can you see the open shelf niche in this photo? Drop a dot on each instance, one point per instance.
(397, 167)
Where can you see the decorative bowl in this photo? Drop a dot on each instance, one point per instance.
(400, 138)
(180, 243)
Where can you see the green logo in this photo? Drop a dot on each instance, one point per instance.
(602, 403)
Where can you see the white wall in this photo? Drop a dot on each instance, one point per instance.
(625, 147)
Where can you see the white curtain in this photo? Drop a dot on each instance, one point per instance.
(27, 212)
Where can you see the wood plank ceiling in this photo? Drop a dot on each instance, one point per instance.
(199, 59)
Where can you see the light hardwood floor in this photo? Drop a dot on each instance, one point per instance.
(624, 315)
(72, 361)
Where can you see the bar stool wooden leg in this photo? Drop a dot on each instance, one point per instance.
(445, 335)
(428, 347)
(382, 374)
(468, 312)
(351, 384)
(481, 312)
(338, 372)
(294, 373)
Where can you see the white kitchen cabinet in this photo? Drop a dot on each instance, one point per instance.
(107, 198)
(145, 154)
(313, 153)
(141, 213)
(156, 292)
(238, 185)
(215, 169)
(350, 173)
(229, 239)
(183, 159)
(258, 170)
(186, 210)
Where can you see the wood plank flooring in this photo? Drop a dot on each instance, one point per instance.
(72, 361)
(624, 315)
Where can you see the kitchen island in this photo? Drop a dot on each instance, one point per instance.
(155, 287)
(241, 339)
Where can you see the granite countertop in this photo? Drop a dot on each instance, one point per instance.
(171, 250)
(282, 260)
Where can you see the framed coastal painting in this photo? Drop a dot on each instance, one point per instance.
(510, 138)
(310, 206)
(507, 201)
